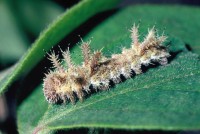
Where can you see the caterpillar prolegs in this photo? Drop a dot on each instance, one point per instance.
(64, 83)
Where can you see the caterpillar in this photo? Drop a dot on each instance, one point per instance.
(68, 83)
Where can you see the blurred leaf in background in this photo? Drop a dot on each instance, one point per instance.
(19, 19)
(35, 15)
(13, 42)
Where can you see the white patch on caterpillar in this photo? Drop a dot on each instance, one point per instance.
(97, 70)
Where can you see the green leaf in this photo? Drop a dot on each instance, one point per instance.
(29, 114)
(35, 15)
(166, 97)
(62, 26)
(13, 43)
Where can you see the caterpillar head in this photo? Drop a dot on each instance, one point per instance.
(52, 83)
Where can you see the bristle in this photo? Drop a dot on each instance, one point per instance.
(161, 39)
(134, 36)
(95, 61)
(148, 41)
(85, 47)
(55, 61)
(67, 57)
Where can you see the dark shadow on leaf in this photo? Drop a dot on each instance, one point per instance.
(173, 55)
(188, 47)
(112, 131)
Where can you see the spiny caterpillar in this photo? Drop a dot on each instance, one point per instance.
(63, 84)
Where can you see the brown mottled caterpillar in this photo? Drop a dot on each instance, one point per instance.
(64, 84)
